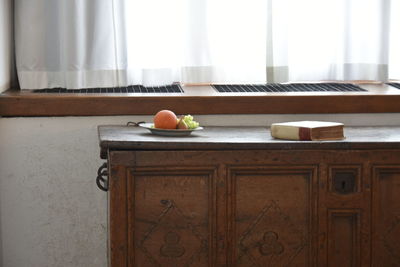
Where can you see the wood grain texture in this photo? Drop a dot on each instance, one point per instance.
(344, 238)
(171, 217)
(202, 100)
(386, 216)
(256, 207)
(118, 227)
(345, 218)
(272, 211)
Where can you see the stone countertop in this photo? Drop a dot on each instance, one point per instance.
(116, 137)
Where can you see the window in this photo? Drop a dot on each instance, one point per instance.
(78, 44)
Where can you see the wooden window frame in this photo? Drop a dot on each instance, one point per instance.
(198, 101)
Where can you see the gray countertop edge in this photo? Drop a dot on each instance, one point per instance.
(240, 138)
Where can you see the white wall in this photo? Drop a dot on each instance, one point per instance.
(51, 212)
(6, 45)
(6, 65)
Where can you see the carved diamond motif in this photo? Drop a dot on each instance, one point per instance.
(173, 240)
(270, 240)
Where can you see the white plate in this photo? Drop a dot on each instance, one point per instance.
(168, 132)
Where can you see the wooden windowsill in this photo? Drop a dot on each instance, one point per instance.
(380, 98)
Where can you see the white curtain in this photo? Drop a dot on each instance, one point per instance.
(108, 43)
(65, 43)
(328, 40)
(394, 39)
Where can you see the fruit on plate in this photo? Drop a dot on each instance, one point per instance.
(181, 124)
(189, 122)
(165, 119)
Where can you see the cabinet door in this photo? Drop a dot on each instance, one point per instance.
(386, 216)
(171, 220)
(271, 215)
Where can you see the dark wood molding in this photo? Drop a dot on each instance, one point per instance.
(16, 103)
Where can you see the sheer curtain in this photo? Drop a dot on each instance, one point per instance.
(99, 43)
(328, 40)
(394, 39)
(65, 43)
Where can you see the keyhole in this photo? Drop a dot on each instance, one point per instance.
(343, 185)
(344, 182)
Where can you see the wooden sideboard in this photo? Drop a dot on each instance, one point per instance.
(233, 196)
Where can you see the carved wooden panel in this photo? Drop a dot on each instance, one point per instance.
(386, 219)
(344, 201)
(255, 208)
(170, 217)
(344, 232)
(271, 212)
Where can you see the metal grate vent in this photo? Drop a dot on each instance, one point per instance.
(297, 87)
(397, 85)
(175, 88)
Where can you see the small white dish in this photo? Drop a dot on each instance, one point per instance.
(168, 132)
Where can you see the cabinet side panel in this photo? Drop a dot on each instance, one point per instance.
(171, 217)
(272, 217)
(386, 217)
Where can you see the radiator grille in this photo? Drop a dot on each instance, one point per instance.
(396, 85)
(298, 87)
(175, 88)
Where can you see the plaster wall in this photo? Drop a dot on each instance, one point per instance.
(51, 212)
